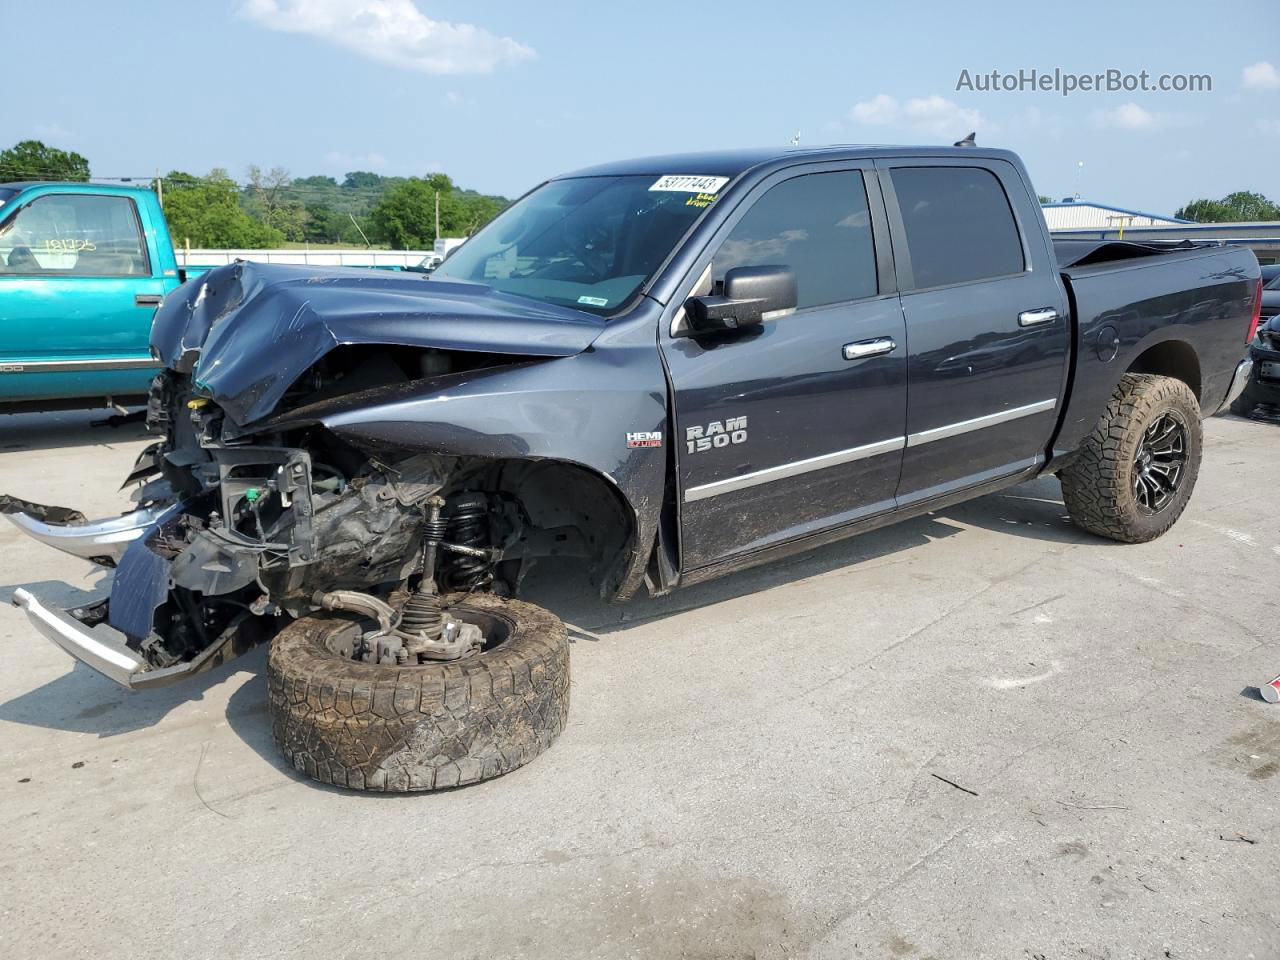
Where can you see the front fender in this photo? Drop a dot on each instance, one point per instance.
(586, 410)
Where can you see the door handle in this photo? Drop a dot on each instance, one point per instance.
(148, 299)
(869, 348)
(1032, 318)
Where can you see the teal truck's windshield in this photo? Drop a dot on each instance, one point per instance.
(587, 243)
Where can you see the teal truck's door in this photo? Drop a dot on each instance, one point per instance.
(79, 284)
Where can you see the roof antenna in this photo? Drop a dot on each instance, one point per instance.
(970, 141)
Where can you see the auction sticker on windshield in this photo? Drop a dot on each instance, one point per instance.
(686, 183)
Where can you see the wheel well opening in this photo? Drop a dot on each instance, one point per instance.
(555, 495)
(1172, 358)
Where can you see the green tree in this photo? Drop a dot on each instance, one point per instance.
(32, 160)
(206, 212)
(357, 179)
(268, 198)
(474, 210)
(325, 225)
(322, 183)
(1043, 199)
(1241, 206)
(405, 216)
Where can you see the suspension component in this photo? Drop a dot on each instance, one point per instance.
(468, 528)
(421, 615)
(422, 628)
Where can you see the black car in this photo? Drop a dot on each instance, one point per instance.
(1264, 384)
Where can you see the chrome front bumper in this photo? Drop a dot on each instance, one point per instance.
(100, 647)
(106, 649)
(105, 538)
(1240, 380)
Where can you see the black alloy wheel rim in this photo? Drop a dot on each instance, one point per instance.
(1160, 463)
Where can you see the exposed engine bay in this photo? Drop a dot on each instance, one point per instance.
(354, 446)
(247, 531)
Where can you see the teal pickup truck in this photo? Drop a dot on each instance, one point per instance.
(82, 269)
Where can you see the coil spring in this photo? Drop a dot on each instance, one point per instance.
(435, 529)
(469, 527)
(422, 614)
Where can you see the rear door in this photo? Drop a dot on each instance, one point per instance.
(780, 430)
(78, 289)
(988, 326)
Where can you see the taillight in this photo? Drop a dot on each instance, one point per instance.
(1257, 313)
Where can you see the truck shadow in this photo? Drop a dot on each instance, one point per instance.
(82, 701)
(1032, 510)
(63, 429)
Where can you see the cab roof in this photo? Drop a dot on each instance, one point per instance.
(74, 185)
(731, 163)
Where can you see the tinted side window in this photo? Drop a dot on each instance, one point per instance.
(74, 234)
(959, 224)
(820, 227)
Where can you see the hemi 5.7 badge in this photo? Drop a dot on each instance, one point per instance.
(646, 438)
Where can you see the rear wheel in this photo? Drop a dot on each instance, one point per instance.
(426, 726)
(1136, 470)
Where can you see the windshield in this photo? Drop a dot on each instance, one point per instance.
(588, 243)
(1274, 284)
(5, 194)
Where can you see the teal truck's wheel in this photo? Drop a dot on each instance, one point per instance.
(1136, 470)
(421, 727)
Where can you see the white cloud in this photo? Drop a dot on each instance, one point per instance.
(935, 115)
(1260, 76)
(1130, 116)
(391, 31)
(347, 162)
(1269, 126)
(881, 108)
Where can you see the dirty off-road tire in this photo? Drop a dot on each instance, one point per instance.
(1136, 470)
(396, 729)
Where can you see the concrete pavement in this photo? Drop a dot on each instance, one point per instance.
(756, 767)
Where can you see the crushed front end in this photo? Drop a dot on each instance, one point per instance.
(237, 533)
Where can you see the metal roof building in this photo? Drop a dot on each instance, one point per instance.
(1085, 215)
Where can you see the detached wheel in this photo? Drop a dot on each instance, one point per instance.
(423, 727)
(1136, 470)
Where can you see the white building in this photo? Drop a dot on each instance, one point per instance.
(1084, 215)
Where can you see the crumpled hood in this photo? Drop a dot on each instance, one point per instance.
(247, 331)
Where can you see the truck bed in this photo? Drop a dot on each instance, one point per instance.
(1190, 301)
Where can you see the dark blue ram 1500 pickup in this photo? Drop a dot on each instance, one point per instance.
(668, 368)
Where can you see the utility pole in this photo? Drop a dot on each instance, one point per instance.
(159, 189)
(366, 239)
(437, 214)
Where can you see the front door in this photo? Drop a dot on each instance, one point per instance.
(987, 323)
(796, 425)
(77, 296)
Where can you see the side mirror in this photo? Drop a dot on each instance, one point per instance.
(750, 295)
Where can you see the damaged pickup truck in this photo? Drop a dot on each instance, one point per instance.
(667, 369)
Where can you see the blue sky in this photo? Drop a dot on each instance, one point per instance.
(502, 93)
